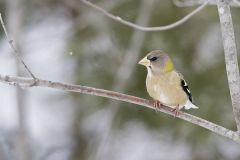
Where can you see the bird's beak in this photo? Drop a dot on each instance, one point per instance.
(144, 62)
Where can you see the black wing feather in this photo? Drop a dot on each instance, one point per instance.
(186, 89)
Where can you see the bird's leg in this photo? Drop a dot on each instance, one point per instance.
(156, 104)
(176, 111)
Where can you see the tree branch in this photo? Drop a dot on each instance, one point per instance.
(27, 82)
(190, 3)
(237, 2)
(147, 29)
(230, 52)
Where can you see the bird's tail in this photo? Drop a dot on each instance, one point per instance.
(190, 105)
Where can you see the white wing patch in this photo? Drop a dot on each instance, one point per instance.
(189, 104)
(186, 89)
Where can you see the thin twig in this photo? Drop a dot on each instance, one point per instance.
(75, 5)
(142, 28)
(15, 51)
(122, 97)
(231, 60)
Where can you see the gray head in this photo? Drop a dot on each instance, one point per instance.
(157, 61)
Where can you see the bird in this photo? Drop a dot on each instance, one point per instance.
(165, 84)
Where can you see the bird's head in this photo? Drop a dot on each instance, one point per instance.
(158, 62)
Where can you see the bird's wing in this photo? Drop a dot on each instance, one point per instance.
(185, 87)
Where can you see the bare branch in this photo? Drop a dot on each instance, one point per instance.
(142, 28)
(15, 51)
(230, 52)
(120, 97)
(190, 3)
(237, 2)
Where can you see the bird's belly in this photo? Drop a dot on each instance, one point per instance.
(167, 94)
(164, 99)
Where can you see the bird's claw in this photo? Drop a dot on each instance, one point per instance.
(176, 111)
(156, 104)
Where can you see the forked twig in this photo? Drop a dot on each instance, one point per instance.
(15, 51)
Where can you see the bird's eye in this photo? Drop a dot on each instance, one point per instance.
(153, 59)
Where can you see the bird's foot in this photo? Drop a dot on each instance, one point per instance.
(157, 104)
(176, 110)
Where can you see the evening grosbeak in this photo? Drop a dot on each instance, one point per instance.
(164, 84)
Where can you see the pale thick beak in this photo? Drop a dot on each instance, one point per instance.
(144, 62)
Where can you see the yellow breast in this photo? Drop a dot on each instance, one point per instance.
(166, 88)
